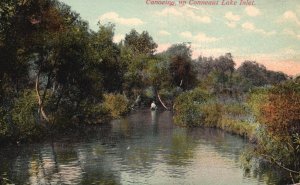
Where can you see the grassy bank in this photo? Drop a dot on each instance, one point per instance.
(268, 116)
(199, 108)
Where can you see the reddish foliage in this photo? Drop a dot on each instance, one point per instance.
(282, 112)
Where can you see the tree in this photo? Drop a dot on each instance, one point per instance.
(276, 77)
(140, 43)
(60, 49)
(224, 68)
(136, 51)
(181, 66)
(16, 31)
(108, 58)
(216, 74)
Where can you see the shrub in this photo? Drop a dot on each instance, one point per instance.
(95, 113)
(198, 108)
(116, 104)
(212, 113)
(195, 108)
(25, 116)
(278, 112)
(5, 128)
(235, 109)
(256, 99)
(281, 113)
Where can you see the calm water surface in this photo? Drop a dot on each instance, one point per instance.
(144, 148)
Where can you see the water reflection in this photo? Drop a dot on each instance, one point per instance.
(145, 148)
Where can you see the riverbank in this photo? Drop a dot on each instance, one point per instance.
(268, 117)
(199, 108)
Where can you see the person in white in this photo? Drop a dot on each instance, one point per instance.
(153, 106)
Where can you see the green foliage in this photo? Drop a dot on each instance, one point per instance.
(237, 118)
(258, 75)
(256, 99)
(216, 75)
(212, 113)
(44, 41)
(116, 104)
(240, 127)
(180, 66)
(140, 43)
(107, 60)
(191, 110)
(5, 128)
(157, 72)
(198, 108)
(25, 116)
(134, 74)
(95, 113)
(235, 109)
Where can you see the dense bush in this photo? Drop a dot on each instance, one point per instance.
(116, 104)
(25, 116)
(95, 113)
(281, 112)
(198, 108)
(5, 128)
(256, 99)
(195, 108)
(278, 112)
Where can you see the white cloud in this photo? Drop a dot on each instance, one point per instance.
(115, 17)
(200, 37)
(289, 51)
(248, 26)
(231, 17)
(252, 11)
(163, 33)
(289, 16)
(184, 12)
(291, 33)
(201, 19)
(169, 11)
(251, 27)
(186, 34)
(231, 24)
(118, 38)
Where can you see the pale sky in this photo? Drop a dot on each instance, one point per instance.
(267, 32)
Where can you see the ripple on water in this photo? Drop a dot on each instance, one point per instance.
(144, 148)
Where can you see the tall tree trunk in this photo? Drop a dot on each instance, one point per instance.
(181, 82)
(162, 102)
(40, 101)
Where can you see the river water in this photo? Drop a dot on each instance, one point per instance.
(143, 148)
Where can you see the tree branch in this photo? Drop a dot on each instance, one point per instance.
(162, 102)
(41, 108)
(272, 159)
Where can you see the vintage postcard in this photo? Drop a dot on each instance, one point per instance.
(158, 92)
